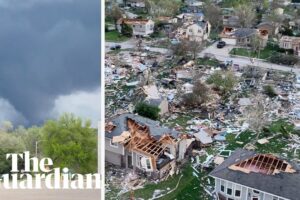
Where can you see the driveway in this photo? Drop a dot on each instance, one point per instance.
(222, 52)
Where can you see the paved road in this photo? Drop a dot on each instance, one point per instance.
(46, 194)
(220, 54)
(223, 55)
(130, 44)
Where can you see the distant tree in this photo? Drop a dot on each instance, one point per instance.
(126, 30)
(246, 14)
(199, 96)
(31, 138)
(6, 126)
(158, 8)
(222, 81)
(71, 143)
(116, 14)
(213, 14)
(187, 47)
(147, 110)
(9, 143)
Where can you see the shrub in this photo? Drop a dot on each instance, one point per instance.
(147, 110)
(269, 90)
(284, 59)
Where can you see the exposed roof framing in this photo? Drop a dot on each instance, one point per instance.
(263, 163)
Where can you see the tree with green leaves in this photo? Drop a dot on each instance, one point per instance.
(147, 110)
(126, 30)
(71, 143)
(246, 14)
(222, 81)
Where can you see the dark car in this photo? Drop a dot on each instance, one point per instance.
(115, 47)
(221, 44)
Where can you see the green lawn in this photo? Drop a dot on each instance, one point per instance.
(115, 36)
(207, 61)
(277, 144)
(188, 187)
(264, 53)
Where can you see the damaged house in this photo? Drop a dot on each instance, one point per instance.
(244, 36)
(254, 176)
(289, 42)
(135, 142)
(140, 27)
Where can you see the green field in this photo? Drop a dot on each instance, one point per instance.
(115, 36)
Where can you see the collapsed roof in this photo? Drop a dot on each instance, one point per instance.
(264, 172)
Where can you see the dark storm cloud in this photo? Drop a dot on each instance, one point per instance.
(47, 48)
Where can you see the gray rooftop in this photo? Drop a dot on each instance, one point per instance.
(154, 126)
(282, 184)
(244, 32)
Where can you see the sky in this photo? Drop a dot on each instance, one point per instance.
(49, 59)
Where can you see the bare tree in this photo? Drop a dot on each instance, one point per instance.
(255, 116)
(246, 14)
(159, 8)
(116, 14)
(198, 97)
(213, 13)
(187, 47)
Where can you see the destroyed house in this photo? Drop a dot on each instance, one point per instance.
(254, 176)
(135, 142)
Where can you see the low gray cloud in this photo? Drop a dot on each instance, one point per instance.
(48, 48)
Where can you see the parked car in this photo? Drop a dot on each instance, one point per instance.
(115, 47)
(221, 44)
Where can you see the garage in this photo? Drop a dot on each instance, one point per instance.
(230, 41)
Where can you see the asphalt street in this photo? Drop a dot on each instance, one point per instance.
(220, 54)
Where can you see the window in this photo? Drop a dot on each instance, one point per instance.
(256, 192)
(255, 198)
(133, 26)
(229, 191)
(113, 144)
(138, 160)
(222, 188)
(237, 193)
(230, 199)
(148, 164)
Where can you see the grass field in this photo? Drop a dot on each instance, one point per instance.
(115, 36)
(189, 186)
(264, 53)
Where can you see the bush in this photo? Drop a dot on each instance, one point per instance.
(269, 90)
(147, 110)
(284, 59)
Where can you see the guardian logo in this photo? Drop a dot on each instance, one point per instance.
(37, 174)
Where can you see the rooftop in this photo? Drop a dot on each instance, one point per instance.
(263, 172)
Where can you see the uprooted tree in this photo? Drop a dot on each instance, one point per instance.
(198, 96)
